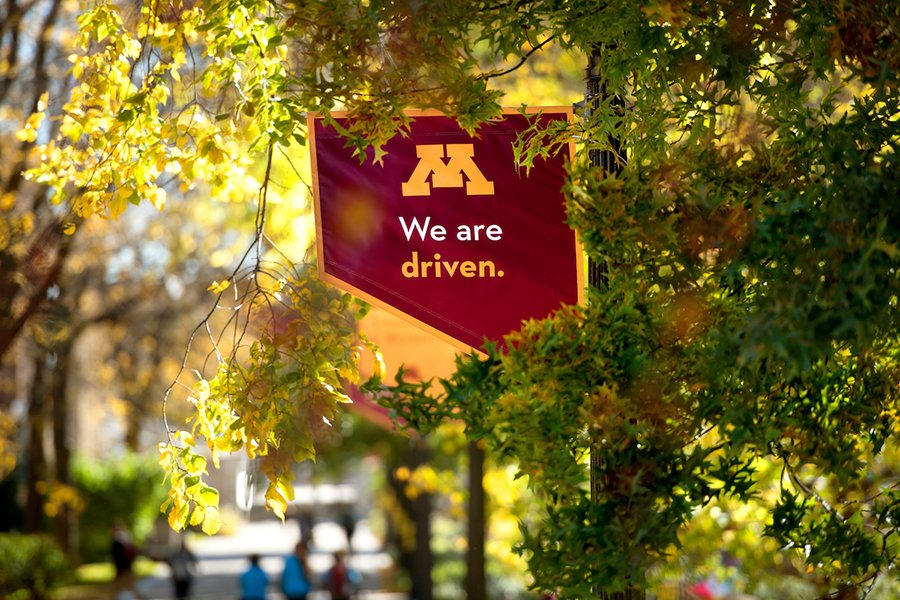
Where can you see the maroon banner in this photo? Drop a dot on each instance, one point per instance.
(446, 230)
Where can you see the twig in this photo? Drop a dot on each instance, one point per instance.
(486, 76)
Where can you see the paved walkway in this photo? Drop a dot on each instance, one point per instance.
(222, 558)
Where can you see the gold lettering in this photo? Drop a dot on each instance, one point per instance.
(419, 269)
(450, 267)
(410, 268)
(446, 175)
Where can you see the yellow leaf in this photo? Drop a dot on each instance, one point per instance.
(117, 203)
(208, 496)
(177, 514)
(276, 502)
(132, 48)
(217, 287)
(211, 522)
(380, 368)
(26, 134)
(159, 201)
(285, 489)
(197, 464)
(197, 517)
(201, 391)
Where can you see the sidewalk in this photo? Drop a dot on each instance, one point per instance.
(221, 560)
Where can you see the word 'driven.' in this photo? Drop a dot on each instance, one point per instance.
(414, 268)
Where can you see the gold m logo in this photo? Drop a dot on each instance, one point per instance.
(449, 174)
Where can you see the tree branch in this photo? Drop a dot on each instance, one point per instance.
(9, 333)
(522, 61)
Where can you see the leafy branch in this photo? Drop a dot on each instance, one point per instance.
(281, 359)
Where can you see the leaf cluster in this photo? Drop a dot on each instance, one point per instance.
(273, 395)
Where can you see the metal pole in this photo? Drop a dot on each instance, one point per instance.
(611, 160)
(594, 93)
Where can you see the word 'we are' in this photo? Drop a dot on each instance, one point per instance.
(438, 233)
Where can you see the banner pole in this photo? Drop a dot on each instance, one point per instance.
(611, 160)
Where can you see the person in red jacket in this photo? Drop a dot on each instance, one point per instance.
(338, 582)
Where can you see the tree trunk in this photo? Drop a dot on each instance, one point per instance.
(64, 521)
(132, 429)
(36, 469)
(475, 575)
(421, 509)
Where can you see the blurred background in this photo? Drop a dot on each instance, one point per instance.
(98, 321)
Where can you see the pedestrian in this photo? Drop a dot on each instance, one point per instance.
(295, 577)
(339, 580)
(254, 581)
(124, 553)
(306, 523)
(182, 563)
(348, 523)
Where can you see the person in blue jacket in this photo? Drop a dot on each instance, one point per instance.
(254, 581)
(295, 577)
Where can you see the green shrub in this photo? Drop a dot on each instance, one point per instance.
(127, 489)
(30, 566)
